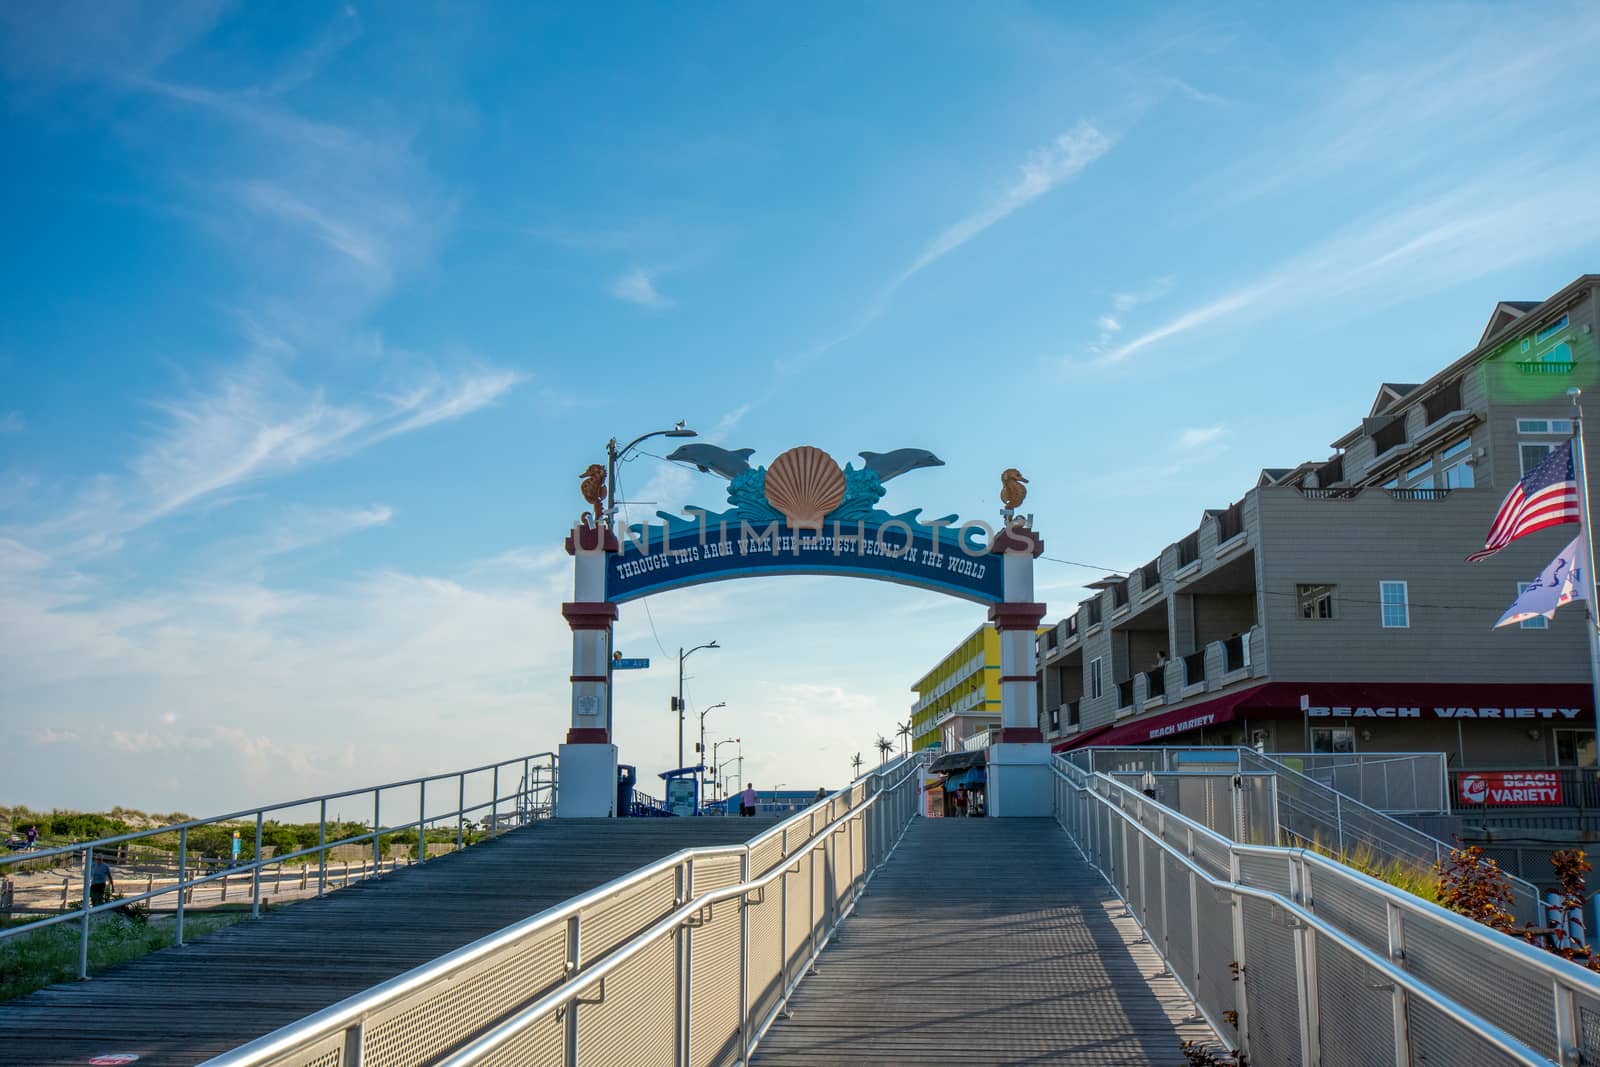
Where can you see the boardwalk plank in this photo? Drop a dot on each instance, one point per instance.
(176, 1007)
(984, 941)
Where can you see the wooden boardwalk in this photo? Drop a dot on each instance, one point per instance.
(179, 1006)
(984, 941)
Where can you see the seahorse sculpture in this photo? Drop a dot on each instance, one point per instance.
(594, 490)
(1013, 488)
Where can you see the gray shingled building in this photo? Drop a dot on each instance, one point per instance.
(1330, 608)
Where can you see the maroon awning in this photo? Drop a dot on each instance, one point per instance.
(1220, 709)
(1553, 702)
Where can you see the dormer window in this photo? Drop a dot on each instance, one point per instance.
(1442, 402)
(1390, 436)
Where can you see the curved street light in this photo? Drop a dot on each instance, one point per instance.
(682, 655)
(701, 762)
(615, 455)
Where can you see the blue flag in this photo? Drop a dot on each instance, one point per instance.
(1562, 582)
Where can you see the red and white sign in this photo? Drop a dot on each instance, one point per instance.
(1531, 788)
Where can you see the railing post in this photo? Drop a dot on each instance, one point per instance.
(1241, 1002)
(322, 849)
(1397, 954)
(1307, 989)
(183, 867)
(744, 959)
(255, 871)
(83, 939)
(494, 803)
(422, 821)
(1338, 820)
(574, 959)
(377, 832)
(461, 805)
(685, 963)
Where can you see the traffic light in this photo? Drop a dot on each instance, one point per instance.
(675, 705)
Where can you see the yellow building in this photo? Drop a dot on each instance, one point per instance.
(961, 696)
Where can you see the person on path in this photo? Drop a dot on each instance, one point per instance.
(747, 800)
(33, 836)
(961, 800)
(822, 794)
(101, 883)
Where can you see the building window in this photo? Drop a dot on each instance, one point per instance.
(1458, 473)
(1562, 427)
(1538, 622)
(1550, 331)
(1423, 471)
(1094, 678)
(1333, 739)
(1395, 608)
(1575, 748)
(1316, 601)
(1531, 452)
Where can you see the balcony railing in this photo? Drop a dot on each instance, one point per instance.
(1418, 494)
(1343, 493)
(1155, 682)
(1125, 693)
(1194, 667)
(1235, 653)
(1535, 366)
(1119, 595)
(1094, 612)
(1150, 575)
(1073, 707)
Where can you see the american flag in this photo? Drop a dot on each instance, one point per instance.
(1546, 496)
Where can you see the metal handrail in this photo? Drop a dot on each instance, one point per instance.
(183, 885)
(569, 991)
(350, 1014)
(1483, 1028)
(1568, 979)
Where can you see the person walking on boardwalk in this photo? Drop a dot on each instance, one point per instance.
(747, 799)
(101, 883)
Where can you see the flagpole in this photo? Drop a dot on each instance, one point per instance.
(1592, 607)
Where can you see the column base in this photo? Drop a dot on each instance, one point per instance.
(1019, 785)
(587, 782)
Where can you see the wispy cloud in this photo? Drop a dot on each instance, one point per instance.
(1110, 323)
(1189, 320)
(1198, 436)
(1045, 169)
(1421, 246)
(636, 286)
(12, 422)
(253, 423)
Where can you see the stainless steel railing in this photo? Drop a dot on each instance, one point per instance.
(1311, 813)
(1298, 959)
(687, 960)
(501, 795)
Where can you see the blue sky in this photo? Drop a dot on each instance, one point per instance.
(313, 318)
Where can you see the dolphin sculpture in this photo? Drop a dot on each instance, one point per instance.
(709, 459)
(888, 465)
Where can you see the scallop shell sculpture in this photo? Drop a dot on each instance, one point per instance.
(804, 484)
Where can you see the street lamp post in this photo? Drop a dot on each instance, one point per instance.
(716, 767)
(702, 746)
(615, 455)
(682, 655)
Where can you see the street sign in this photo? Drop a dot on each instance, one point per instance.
(629, 664)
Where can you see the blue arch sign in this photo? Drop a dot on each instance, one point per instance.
(803, 514)
(655, 559)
